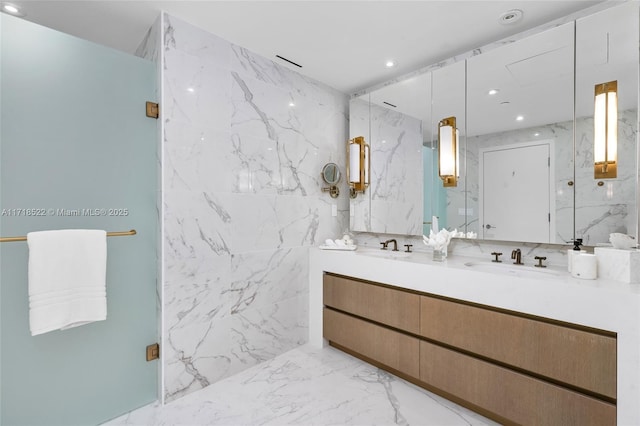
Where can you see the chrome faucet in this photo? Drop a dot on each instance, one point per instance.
(395, 244)
(517, 256)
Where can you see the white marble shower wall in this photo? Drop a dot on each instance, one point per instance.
(245, 140)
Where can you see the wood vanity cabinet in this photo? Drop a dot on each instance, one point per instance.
(574, 356)
(508, 366)
(380, 344)
(397, 309)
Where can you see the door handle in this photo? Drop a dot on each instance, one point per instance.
(489, 226)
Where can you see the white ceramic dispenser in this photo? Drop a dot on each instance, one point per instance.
(576, 250)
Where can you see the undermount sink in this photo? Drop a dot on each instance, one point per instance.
(514, 270)
(385, 253)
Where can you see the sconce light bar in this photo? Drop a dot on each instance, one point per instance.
(358, 165)
(448, 160)
(605, 138)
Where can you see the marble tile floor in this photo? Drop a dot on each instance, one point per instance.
(307, 386)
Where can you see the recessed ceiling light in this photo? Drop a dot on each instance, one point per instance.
(520, 118)
(536, 134)
(510, 17)
(493, 91)
(12, 9)
(390, 64)
(291, 104)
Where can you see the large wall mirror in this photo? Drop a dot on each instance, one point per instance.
(607, 50)
(520, 139)
(394, 128)
(359, 125)
(526, 138)
(448, 204)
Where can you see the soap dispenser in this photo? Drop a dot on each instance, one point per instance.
(576, 250)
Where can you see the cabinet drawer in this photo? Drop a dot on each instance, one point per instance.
(517, 397)
(576, 357)
(395, 308)
(388, 347)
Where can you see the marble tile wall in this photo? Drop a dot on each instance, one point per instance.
(245, 140)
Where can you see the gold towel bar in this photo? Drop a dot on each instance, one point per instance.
(109, 234)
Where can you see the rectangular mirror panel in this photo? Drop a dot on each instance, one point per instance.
(448, 100)
(607, 50)
(520, 139)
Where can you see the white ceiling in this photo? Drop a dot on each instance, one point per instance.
(343, 44)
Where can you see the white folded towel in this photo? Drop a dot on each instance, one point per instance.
(67, 278)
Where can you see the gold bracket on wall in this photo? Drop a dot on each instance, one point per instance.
(153, 352)
(153, 110)
(333, 191)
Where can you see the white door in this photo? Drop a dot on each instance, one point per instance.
(515, 196)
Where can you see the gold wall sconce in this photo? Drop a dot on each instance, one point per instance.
(331, 176)
(605, 137)
(448, 158)
(358, 165)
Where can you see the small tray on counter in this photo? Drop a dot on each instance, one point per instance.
(343, 248)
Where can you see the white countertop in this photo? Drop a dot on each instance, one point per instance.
(549, 292)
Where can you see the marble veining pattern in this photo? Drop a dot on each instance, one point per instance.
(244, 143)
(618, 264)
(308, 386)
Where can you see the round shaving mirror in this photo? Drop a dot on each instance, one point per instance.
(331, 175)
